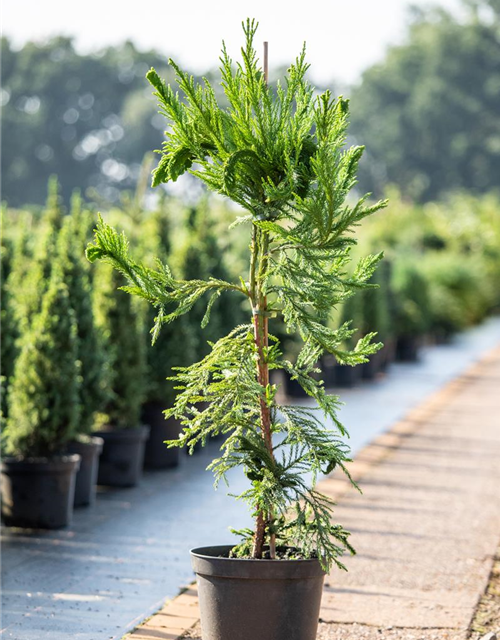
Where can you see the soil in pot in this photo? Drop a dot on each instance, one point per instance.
(247, 599)
(89, 448)
(122, 457)
(157, 455)
(39, 492)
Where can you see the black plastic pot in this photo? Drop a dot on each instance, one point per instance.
(293, 388)
(157, 455)
(387, 353)
(328, 363)
(86, 479)
(346, 376)
(407, 348)
(370, 370)
(122, 457)
(257, 599)
(39, 492)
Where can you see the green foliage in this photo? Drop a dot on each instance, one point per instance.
(43, 399)
(454, 245)
(90, 354)
(429, 111)
(411, 293)
(376, 304)
(281, 156)
(199, 256)
(34, 259)
(7, 321)
(119, 322)
(175, 345)
(458, 295)
(8, 328)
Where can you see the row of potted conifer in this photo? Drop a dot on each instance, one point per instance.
(426, 291)
(83, 393)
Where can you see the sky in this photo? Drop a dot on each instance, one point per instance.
(343, 36)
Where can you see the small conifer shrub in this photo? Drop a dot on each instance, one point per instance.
(281, 155)
(175, 345)
(118, 320)
(44, 390)
(411, 293)
(90, 353)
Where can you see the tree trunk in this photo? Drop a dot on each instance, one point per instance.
(261, 335)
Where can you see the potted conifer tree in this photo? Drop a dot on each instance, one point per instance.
(119, 423)
(375, 309)
(280, 155)
(92, 391)
(174, 347)
(38, 477)
(411, 314)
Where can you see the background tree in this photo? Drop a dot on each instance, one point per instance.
(87, 118)
(428, 112)
(199, 256)
(411, 294)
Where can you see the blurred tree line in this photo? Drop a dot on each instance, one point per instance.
(428, 113)
(89, 119)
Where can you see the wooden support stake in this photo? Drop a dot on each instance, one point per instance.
(266, 59)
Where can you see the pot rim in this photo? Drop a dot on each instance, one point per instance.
(58, 463)
(86, 439)
(206, 563)
(86, 448)
(130, 433)
(197, 552)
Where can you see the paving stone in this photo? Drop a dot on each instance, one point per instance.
(171, 622)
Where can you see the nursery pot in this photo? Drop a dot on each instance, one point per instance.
(245, 599)
(157, 455)
(407, 348)
(370, 369)
(339, 375)
(346, 376)
(89, 450)
(122, 456)
(39, 492)
(294, 389)
(388, 353)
